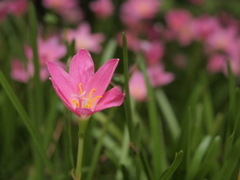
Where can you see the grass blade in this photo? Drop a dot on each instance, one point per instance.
(98, 147)
(168, 113)
(36, 78)
(25, 118)
(109, 51)
(169, 172)
(230, 163)
(198, 156)
(125, 173)
(158, 146)
(127, 102)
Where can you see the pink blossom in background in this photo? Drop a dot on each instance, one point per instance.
(102, 8)
(216, 63)
(222, 39)
(205, 26)
(133, 11)
(186, 35)
(137, 86)
(85, 39)
(227, 20)
(15, 7)
(153, 51)
(68, 9)
(140, 9)
(235, 66)
(178, 18)
(81, 90)
(48, 50)
(60, 5)
(132, 40)
(180, 25)
(158, 76)
(3, 10)
(155, 31)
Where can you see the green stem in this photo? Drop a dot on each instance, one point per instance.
(82, 124)
(79, 157)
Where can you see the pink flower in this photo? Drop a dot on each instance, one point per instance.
(177, 19)
(85, 39)
(205, 26)
(3, 10)
(140, 9)
(217, 63)
(157, 77)
(48, 50)
(82, 91)
(60, 5)
(153, 51)
(137, 86)
(16, 7)
(68, 9)
(222, 39)
(181, 26)
(102, 8)
(133, 11)
(132, 40)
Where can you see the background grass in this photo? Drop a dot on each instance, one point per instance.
(186, 130)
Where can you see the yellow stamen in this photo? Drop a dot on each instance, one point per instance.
(76, 103)
(94, 99)
(80, 88)
(90, 94)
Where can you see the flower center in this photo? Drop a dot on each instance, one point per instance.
(85, 102)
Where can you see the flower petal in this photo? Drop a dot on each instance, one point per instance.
(83, 113)
(81, 67)
(18, 72)
(62, 82)
(62, 96)
(101, 79)
(113, 97)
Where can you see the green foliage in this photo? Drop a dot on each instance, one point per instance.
(188, 130)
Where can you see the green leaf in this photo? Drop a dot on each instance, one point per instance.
(146, 165)
(170, 171)
(127, 101)
(198, 156)
(25, 118)
(109, 51)
(98, 147)
(210, 158)
(230, 163)
(232, 92)
(125, 173)
(168, 113)
(158, 146)
(36, 78)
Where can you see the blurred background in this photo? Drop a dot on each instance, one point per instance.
(182, 119)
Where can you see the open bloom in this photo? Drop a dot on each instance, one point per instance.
(157, 76)
(85, 39)
(102, 8)
(15, 7)
(68, 9)
(81, 90)
(48, 50)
